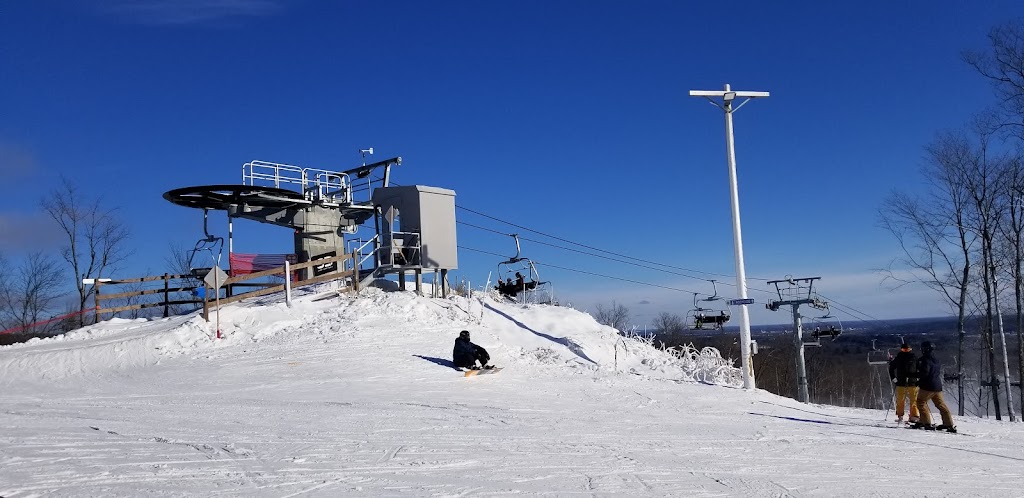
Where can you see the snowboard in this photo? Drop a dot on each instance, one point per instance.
(938, 430)
(482, 371)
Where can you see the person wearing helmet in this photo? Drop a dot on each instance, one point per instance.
(903, 372)
(929, 373)
(465, 354)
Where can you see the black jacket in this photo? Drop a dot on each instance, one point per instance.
(929, 372)
(465, 354)
(903, 368)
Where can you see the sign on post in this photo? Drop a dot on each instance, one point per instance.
(215, 279)
(737, 302)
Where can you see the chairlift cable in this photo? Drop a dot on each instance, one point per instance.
(614, 278)
(589, 253)
(596, 248)
(585, 272)
(843, 308)
(595, 274)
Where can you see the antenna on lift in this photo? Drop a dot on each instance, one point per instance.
(364, 152)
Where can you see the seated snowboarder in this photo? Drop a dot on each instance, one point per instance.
(466, 354)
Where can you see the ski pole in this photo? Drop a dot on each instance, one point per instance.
(893, 398)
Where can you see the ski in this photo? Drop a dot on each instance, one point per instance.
(922, 428)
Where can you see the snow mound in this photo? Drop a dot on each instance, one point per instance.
(517, 336)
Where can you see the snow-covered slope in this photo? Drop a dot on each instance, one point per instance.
(356, 395)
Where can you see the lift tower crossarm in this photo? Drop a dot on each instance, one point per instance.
(364, 170)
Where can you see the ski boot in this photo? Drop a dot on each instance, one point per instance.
(919, 425)
(947, 428)
(899, 420)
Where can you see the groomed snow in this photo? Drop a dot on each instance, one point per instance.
(355, 395)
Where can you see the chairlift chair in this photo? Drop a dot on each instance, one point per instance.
(821, 331)
(518, 279)
(892, 352)
(877, 356)
(695, 318)
(205, 245)
(710, 317)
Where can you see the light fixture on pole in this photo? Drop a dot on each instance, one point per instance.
(728, 96)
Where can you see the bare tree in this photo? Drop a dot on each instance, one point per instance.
(1011, 251)
(935, 233)
(984, 173)
(1003, 64)
(668, 323)
(616, 316)
(177, 260)
(96, 237)
(5, 278)
(30, 293)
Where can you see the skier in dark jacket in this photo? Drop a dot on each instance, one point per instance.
(929, 372)
(903, 372)
(466, 354)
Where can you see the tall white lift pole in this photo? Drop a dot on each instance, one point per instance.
(727, 97)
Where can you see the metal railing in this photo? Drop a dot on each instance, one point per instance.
(404, 249)
(315, 184)
(362, 256)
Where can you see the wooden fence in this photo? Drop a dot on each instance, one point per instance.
(174, 284)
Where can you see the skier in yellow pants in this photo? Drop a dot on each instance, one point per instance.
(903, 372)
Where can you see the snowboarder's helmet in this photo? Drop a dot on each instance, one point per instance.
(905, 347)
(926, 346)
(464, 335)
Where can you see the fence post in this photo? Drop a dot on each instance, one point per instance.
(166, 295)
(287, 283)
(96, 302)
(355, 270)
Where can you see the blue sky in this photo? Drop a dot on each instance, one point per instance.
(568, 117)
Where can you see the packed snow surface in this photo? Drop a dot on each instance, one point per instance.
(356, 395)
